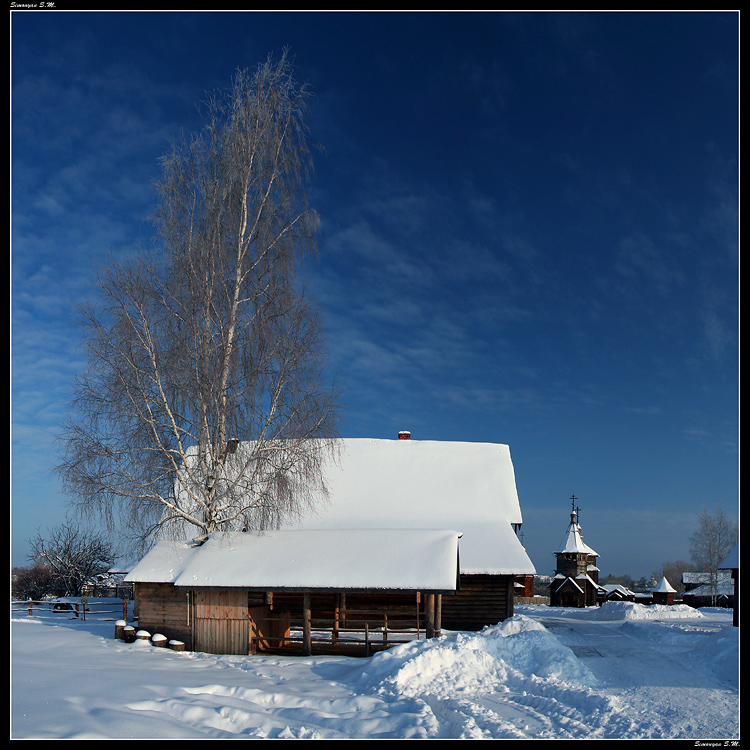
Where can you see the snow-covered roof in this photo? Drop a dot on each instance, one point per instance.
(612, 587)
(573, 542)
(586, 577)
(724, 587)
(565, 580)
(424, 484)
(163, 563)
(699, 577)
(122, 565)
(663, 587)
(414, 559)
(732, 560)
(416, 484)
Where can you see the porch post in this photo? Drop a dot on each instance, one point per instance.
(429, 616)
(336, 605)
(306, 630)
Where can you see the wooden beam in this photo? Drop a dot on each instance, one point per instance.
(429, 616)
(306, 631)
(336, 615)
(419, 596)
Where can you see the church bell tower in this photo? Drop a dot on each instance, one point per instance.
(576, 575)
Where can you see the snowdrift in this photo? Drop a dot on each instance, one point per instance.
(468, 663)
(632, 611)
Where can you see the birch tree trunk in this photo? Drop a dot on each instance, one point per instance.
(205, 405)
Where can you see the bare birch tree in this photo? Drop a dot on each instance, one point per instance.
(204, 404)
(713, 539)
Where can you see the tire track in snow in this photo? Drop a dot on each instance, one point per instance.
(221, 711)
(670, 693)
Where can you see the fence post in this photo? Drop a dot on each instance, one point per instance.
(124, 609)
(367, 639)
(29, 607)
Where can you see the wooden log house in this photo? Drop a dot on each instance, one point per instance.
(402, 489)
(413, 484)
(237, 593)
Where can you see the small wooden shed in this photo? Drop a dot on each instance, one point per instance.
(663, 592)
(240, 592)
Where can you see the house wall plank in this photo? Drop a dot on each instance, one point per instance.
(481, 600)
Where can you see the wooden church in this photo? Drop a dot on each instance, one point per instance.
(576, 580)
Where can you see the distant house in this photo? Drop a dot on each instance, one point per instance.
(732, 563)
(576, 580)
(524, 587)
(699, 592)
(615, 592)
(692, 580)
(390, 501)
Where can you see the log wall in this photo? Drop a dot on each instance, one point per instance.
(163, 609)
(230, 621)
(481, 600)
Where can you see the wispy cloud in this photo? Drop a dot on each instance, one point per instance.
(641, 260)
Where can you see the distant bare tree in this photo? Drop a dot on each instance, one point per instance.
(211, 342)
(72, 554)
(33, 582)
(714, 538)
(673, 571)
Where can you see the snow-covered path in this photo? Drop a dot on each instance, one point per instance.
(654, 670)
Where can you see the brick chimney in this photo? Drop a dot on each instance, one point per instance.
(404, 435)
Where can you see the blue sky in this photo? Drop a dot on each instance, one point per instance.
(529, 235)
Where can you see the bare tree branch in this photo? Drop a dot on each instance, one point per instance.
(211, 339)
(713, 539)
(72, 554)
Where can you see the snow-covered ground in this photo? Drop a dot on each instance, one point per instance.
(622, 671)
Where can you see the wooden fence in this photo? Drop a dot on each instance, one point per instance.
(80, 607)
(360, 632)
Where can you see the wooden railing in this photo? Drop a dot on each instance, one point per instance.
(77, 606)
(361, 632)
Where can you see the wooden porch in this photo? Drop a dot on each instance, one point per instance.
(354, 623)
(242, 621)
